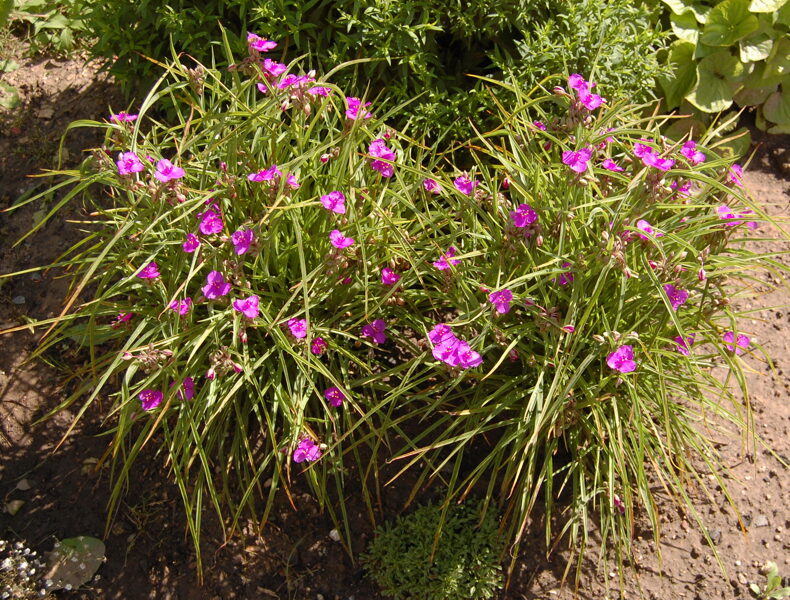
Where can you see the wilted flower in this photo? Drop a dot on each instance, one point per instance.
(319, 346)
(622, 359)
(432, 186)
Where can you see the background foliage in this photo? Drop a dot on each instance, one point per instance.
(731, 52)
(420, 49)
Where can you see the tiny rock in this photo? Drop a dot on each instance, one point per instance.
(18, 300)
(761, 521)
(334, 535)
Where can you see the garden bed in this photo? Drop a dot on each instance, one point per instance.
(149, 554)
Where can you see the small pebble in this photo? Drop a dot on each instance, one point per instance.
(334, 535)
(18, 300)
(761, 521)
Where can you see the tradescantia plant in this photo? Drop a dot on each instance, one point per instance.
(282, 288)
(731, 52)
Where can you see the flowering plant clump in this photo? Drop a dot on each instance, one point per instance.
(294, 277)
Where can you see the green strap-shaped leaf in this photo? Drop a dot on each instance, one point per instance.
(729, 22)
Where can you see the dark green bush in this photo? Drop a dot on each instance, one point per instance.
(463, 566)
(423, 49)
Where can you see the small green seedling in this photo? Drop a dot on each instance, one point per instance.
(773, 589)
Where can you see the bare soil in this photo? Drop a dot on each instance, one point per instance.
(149, 554)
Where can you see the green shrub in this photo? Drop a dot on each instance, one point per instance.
(407, 559)
(731, 52)
(417, 49)
(559, 283)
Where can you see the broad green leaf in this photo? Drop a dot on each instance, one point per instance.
(782, 16)
(729, 22)
(9, 97)
(766, 6)
(757, 47)
(778, 65)
(685, 27)
(717, 81)
(5, 10)
(703, 50)
(748, 96)
(8, 65)
(684, 75)
(678, 7)
(777, 108)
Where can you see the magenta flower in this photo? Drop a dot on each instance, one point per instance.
(216, 286)
(292, 182)
(375, 331)
(273, 68)
(242, 239)
(389, 277)
(269, 174)
(181, 306)
(123, 117)
(586, 98)
(247, 306)
(150, 399)
(740, 345)
(643, 225)
(681, 189)
(298, 328)
(735, 175)
(694, 156)
(726, 213)
(540, 125)
(128, 163)
(307, 450)
(622, 359)
(501, 300)
(651, 159)
(121, 319)
(524, 215)
(577, 159)
(259, 44)
(610, 165)
(642, 150)
(450, 350)
(319, 346)
(443, 264)
(676, 296)
(354, 106)
(465, 185)
(320, 90)
(191, 244)
(210, 222)
(432, 186)
(188, 387)
(150, 271)
(378, 148)
(167, 171)
(338, 240)
(684, 344)
(334, 201)
(262, 88)
(566, 277)
(335, 396)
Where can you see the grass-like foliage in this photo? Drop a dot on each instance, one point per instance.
(276, 287)
(407, 560)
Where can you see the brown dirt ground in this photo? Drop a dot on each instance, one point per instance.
(148, 552)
